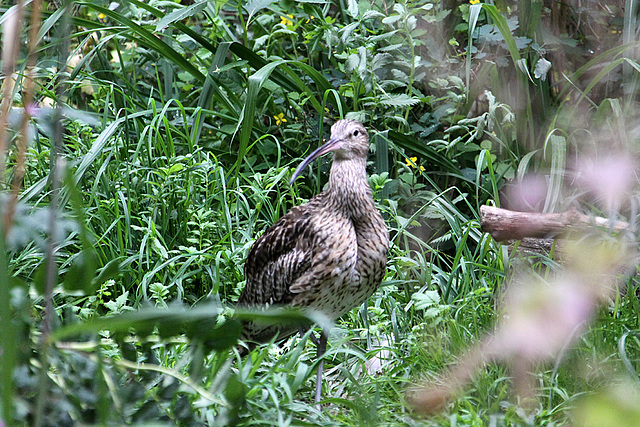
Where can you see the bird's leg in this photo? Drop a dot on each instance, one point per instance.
(313, 337)
(321, 346)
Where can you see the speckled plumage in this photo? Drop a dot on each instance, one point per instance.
(328, 254)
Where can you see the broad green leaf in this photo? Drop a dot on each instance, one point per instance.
(80, 275)
(109, 271)
(143, 319)
(400, 100)
(352, 8)
(179, 15)
(523, 166)
(425, 299)
(253, 6)
(556, 178)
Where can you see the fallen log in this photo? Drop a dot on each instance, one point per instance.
(504, 224)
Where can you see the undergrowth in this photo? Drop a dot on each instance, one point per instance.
(161, 139)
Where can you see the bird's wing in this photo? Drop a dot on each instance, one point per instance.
(278, 258)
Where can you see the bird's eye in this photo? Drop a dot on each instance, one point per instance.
(356, 132)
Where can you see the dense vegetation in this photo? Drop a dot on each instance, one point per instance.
(146, 144)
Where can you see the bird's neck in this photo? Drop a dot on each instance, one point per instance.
(348, 185)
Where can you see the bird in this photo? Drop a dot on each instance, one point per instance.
(327, 255)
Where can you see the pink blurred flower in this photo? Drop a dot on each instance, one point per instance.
(609, 178)
(540, 318)
(527, 195)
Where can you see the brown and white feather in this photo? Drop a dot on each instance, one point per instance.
(329, 254)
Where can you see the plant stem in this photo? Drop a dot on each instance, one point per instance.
(412, 71)
(51, 274)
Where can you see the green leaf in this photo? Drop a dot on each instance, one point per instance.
(425, 299)
(142, 320)
(216, 337)
(400, 100)
(352, 8)
(523, 166)
(501, 23)
(109, 271)
(80, 275)
(541, 69)
(253, 6)
(284, 315)
(180, 14)
(557, 172)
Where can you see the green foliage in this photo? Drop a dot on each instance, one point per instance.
(183, 121)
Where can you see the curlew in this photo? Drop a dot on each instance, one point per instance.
(328, 254)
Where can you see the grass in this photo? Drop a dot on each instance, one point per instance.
(183, 124)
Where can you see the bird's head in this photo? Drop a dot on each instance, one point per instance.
(349, 140)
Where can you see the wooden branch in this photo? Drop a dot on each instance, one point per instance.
(504, 224)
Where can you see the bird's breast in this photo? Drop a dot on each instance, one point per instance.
(332, 268)
(347, 266)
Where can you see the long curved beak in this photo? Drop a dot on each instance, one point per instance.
(331, 145)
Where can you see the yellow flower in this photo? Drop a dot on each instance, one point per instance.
(286, 21)
(411, 162)
(474, 1)
(101, 16)
(280, 119)
(311, 18)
